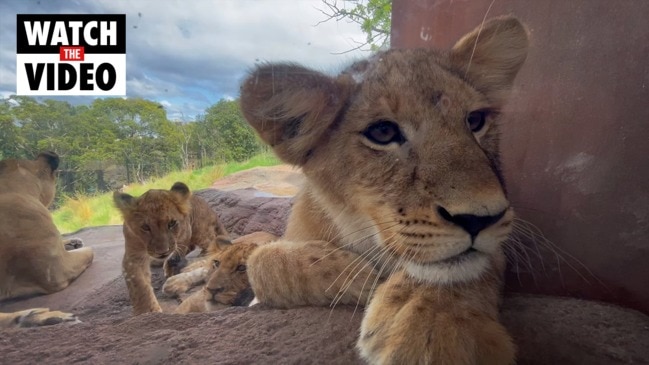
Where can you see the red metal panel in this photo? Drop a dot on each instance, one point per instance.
(576, 137)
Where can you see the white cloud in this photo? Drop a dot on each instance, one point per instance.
(192, 53)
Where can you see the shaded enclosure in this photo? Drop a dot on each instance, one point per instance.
(574, 139)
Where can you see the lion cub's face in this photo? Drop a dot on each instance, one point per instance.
(227, 282)
(159, 218)
(403, 147)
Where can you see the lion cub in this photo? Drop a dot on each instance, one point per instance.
(34, 259)
(403, 193)
(163, 224)
(225, 276)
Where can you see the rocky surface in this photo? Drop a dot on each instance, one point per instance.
(547, 330)
(249, 210)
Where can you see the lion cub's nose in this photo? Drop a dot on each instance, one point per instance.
(473, 224)
(215, 291)
(162, 250)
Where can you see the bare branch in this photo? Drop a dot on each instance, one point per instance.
(360, 45)
(369, 15)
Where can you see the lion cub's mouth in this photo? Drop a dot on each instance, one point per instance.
(162, 255)
(241, 299)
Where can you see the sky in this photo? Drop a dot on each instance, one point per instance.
(187, 55)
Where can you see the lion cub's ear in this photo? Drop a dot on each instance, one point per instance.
(219, 244)
(124, 202)
(181, 190)
(50, 158)
(292, 107)
(491, 55)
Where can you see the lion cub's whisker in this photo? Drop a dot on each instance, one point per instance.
(390, 258)
(351, 243)
(358, 258)
(369, 262)
(535, 236)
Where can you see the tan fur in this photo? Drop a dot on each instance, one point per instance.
(403, 191)
(225, 285)
(163, 224)
(191, 276)
(35, 317)
(34, 259)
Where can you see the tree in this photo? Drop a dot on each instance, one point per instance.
(11, 140)
(373, 16)
(225, 131)
(146, 142)
(42, 125)
(124, 140)
(186, 134)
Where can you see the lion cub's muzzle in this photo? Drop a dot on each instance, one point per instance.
(440, 247)
(218, 295)
(433, 236)
(161, 254)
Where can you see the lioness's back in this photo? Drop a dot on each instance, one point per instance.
(33, 257)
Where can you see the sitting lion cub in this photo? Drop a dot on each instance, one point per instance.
(224, 274)
(403, 190)
(34, 259)
(163, 224)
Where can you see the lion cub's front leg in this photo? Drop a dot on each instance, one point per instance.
(138, 281)
(288, 274)
(412, 323)
(183, 282)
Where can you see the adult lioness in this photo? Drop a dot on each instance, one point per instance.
(33, 257)
(403, 185)
(163, 224)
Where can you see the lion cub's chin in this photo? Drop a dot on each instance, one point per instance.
(212, 306)
(468, 268)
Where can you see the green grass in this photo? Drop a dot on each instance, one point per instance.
(81, 211)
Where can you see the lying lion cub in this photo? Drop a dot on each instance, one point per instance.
(225, 276)
(403, 190)
(164, 224)
(34, 259)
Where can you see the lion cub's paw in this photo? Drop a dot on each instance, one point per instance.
(444, 345)
(410, 323)
(174, 264)
(73, 244)
(176, 285)
(43, 317)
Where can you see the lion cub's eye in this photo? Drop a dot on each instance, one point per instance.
(384, 132)
(241, 268)
(172, 223)
(476, 120)
(216, 264)
(145, 227)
